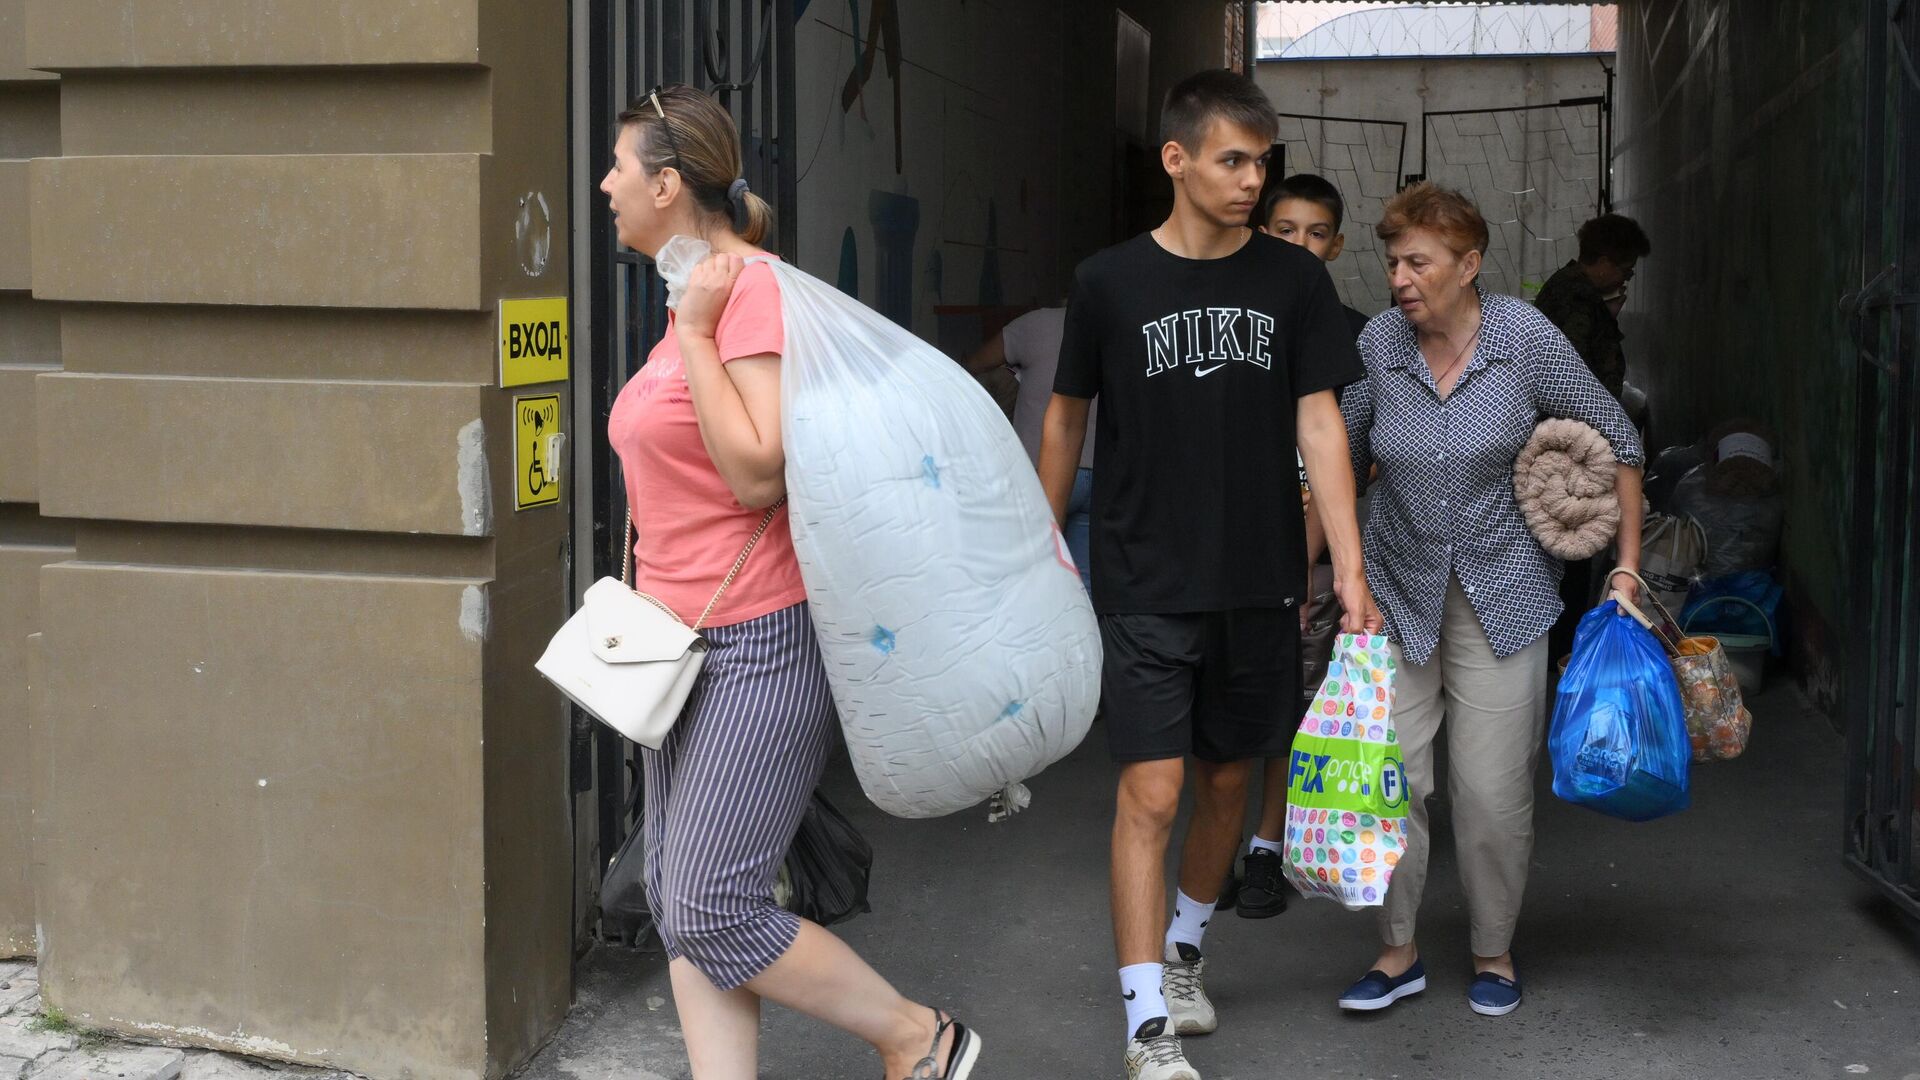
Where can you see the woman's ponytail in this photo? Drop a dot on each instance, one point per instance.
(753, 218)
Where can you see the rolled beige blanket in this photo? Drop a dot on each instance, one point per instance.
(1563, 481)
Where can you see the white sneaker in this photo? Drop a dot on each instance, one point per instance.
(1157, 1056)
(1186, 998)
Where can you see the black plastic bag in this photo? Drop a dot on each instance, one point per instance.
(823, 878)
(828, 866)
(1743, 531)
(1667, 469)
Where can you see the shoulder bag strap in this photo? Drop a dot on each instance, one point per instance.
(626, 558)
(626, 561)
(741, 561)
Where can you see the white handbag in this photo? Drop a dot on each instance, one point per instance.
(626, 658)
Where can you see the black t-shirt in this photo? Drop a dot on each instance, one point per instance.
(1355, 321)
(1198, 365)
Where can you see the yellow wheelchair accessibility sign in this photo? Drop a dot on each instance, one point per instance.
(538, 444)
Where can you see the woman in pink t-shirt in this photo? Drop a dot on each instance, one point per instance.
(698, 435)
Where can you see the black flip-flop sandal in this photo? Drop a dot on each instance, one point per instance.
(961, 1058)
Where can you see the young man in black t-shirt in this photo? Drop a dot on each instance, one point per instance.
(1213, 351)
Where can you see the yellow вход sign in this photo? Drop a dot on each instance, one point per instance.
(533, 341)
(538, 443)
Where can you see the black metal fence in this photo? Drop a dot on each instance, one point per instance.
(742, 52)
(1881, 838)
(1365, 158)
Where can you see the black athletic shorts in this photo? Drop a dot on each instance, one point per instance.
(1220, 685)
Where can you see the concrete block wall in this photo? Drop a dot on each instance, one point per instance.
(29, 346)
(300, 793)
(1533, 174)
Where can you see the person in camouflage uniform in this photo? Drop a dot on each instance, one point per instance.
(1583, 297)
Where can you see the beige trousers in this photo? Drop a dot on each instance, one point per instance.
(1495, 713)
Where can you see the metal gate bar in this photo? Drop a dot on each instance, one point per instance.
(1563, 103)
(1501, 253)
(1357, 282)
(743, 50)
(1400, 162)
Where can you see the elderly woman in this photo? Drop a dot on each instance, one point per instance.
(1456, 381)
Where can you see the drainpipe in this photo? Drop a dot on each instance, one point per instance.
(1606, 142)
(1250, 45)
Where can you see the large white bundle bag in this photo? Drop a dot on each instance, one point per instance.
(961, 647)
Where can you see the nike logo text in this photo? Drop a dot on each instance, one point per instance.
(1209, 336)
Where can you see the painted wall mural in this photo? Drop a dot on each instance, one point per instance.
(930, 185)
(884, 25)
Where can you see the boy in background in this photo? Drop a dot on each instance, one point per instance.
(1307, 210)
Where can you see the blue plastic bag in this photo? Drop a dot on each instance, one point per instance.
(1619, 736)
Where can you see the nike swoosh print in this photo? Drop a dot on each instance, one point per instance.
(1202, 373)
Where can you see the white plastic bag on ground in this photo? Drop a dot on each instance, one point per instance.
(961, 647)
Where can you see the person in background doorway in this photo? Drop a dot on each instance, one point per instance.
(988, 366)
(1583, 299)
(698, 436)
(1028, 348)
(1577, 297)
(1306, 210)
(1033, 352)
(1214, 351)
(1456, 380)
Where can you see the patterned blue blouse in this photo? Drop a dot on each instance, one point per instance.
(1443, 505)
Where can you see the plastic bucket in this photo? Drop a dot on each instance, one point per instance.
(1746, 653)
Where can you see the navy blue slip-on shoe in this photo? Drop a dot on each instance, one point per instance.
(1493, 995)
(1376, 990)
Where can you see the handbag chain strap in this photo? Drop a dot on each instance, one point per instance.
(626, 564)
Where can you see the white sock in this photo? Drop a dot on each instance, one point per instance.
(1140, 989)
(1275, 846)
(1190, 918)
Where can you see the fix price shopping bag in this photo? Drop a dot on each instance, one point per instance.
(1346, 784)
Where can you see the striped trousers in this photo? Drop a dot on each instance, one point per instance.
(726, 790)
